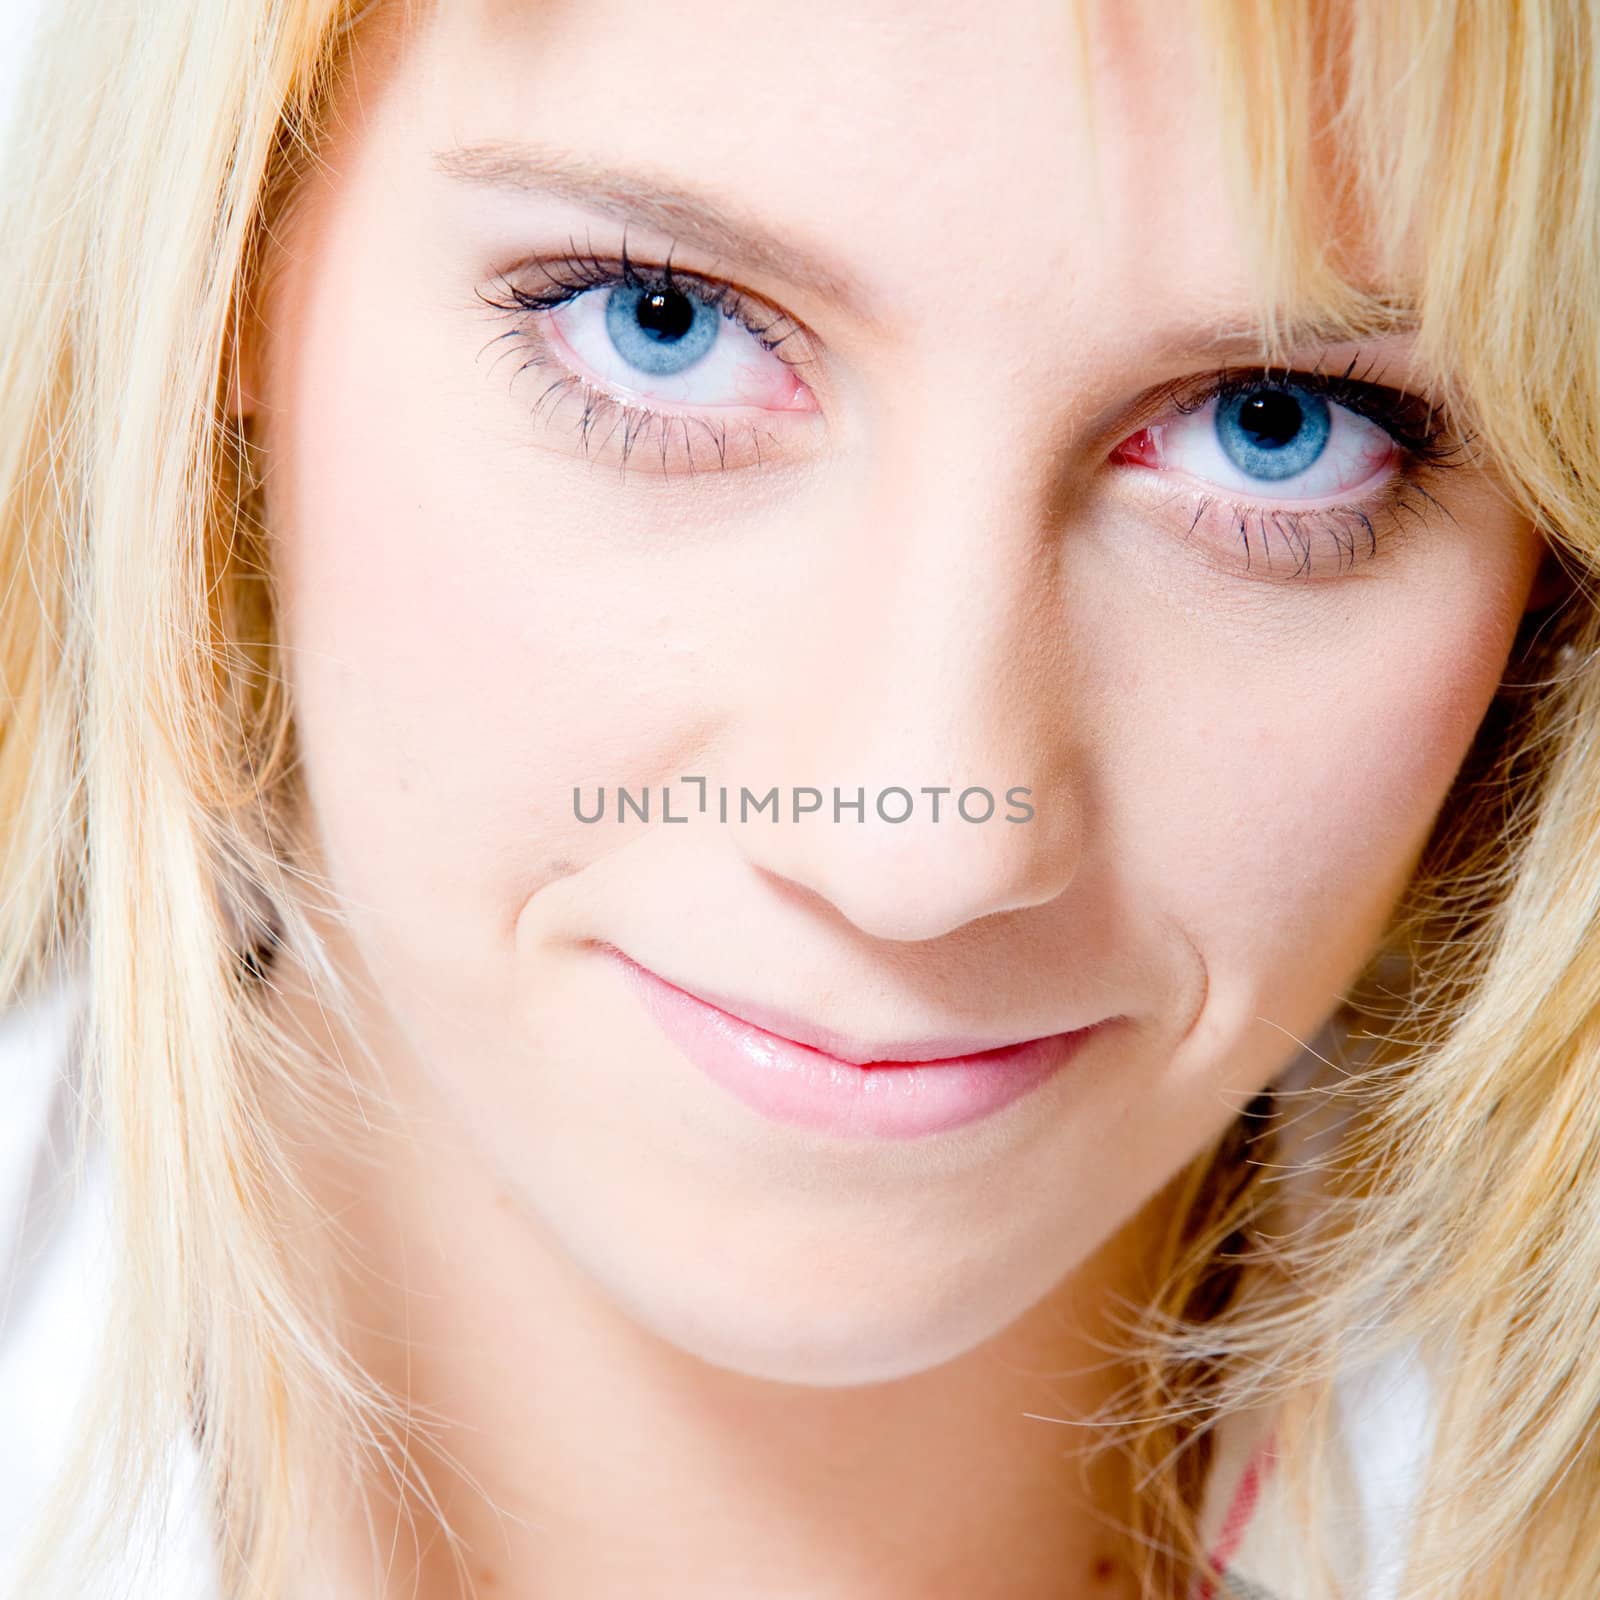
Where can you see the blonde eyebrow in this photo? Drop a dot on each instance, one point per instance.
(1246, 340)
(683, 214)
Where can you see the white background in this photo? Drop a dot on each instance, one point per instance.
(16, 23)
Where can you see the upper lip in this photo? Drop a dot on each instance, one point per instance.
(845, 1047)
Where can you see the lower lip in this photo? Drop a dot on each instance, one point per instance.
(805, 1088)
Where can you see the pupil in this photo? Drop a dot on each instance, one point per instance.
(1271, 418)
(665, 314)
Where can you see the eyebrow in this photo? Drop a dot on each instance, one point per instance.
(1239, 340)
(683, 214)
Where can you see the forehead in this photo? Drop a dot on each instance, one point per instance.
(940, 151)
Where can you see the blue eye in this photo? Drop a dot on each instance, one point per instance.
(678, 347)
(660, 331)
(1273, 432)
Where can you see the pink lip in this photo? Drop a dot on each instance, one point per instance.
(888, 1098)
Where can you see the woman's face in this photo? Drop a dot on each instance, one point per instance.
(806, 398)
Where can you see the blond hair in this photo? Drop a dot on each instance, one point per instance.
(148, 800)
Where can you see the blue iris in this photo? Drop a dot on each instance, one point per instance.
(1272, 432)
(659, 330)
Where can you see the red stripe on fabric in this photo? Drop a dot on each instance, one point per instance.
(1240, 1510)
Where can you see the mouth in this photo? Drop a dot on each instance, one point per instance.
(873, 1090)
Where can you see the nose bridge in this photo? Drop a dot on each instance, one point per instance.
(924, 764)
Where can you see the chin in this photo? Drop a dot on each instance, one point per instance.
(815, 1334)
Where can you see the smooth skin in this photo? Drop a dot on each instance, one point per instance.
(680, 1349)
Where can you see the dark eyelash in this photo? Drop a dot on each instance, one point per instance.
(580, 270)
(1352, 530)
(1420, 426)
(1426, 434)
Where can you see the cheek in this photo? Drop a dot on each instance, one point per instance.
(1282, 798)
(446, 718)
(460, 652)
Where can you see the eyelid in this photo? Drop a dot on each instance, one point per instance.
(689, 436)
(579, 270)
(1422, 431)
(1346, 529)
(1263, 544)
(1421, 426)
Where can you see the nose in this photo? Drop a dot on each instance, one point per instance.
(916, 723)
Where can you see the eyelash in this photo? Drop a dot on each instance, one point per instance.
(580, 271)
(1424, 433)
